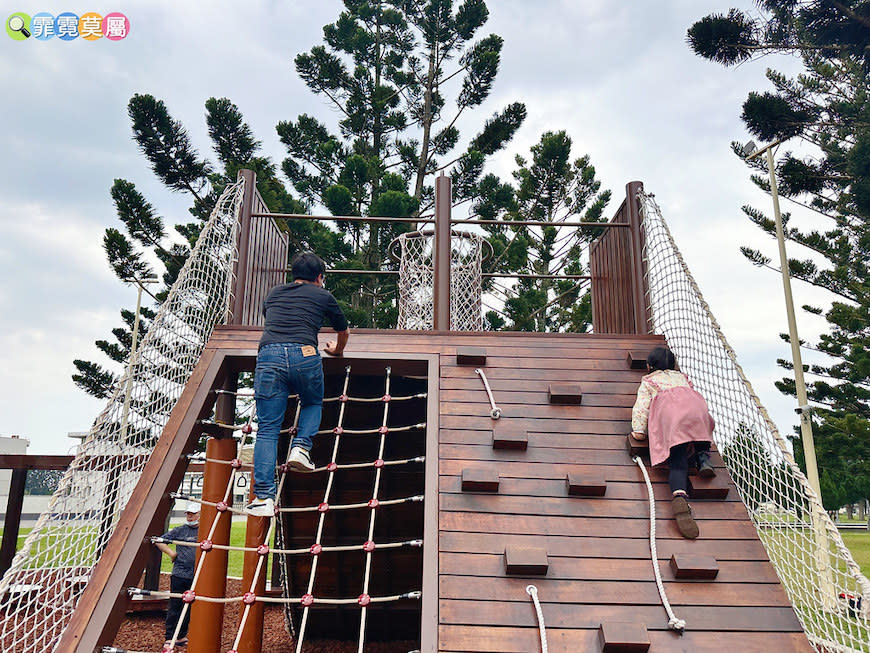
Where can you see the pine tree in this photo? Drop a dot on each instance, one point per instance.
(385, 67)
(549, 188)
(166, 145)
(828, 107)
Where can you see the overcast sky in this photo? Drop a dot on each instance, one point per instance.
(617, 76)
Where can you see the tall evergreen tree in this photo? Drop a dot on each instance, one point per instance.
(166, 145)
(549, 188)
(385, 66)
(828, 107)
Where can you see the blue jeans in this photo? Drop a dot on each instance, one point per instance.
(282, 370)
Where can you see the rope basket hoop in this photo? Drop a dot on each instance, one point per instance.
(417, 275)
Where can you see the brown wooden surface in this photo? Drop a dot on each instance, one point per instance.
(471, 356)
(479, 479)
(560, 393)
(598, 566)
(518, 561)
(592, 484)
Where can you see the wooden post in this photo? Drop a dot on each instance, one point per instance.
(240, 267)
(251, 640)
(13, 519)
(441, 254)
(638, 278)
(206, 619)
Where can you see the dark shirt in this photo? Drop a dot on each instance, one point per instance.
(295, 311)
(183, 566)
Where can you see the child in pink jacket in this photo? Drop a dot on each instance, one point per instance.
(678, 422)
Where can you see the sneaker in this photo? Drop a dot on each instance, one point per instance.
(299, 460)
(705, 469)
(261, 507)
(683, 514)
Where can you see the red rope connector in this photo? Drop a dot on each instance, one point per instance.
(247, 429)
(331, 467)
(316, 549)
(342, 398)
(235, 463)
(263, 550)
(249, 598)
(283, 468)
(379, 463)
(338, 430)
(386, 399)
(374, 503)
(221, 506)
(206, 545)
(323, 507)
(383, 430)
(364, 599)
(189, 596)
(369, 546)
(307, 600)
(293, 430)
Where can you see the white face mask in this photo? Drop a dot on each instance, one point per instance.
(193, 523)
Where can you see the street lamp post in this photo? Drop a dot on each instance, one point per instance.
(803, 410)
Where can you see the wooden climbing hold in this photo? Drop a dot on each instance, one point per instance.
(586, 484)
(508, 435)
(565, 393)
(480, 479)
(470, 356)
(623, 637)
(637, 447)
(636, 360)
(688, 566)
(525, 561)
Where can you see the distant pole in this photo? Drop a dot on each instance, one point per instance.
(441, 254)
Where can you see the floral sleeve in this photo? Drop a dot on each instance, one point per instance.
(640, 412)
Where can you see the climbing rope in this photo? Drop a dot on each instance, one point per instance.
(673, 622)
(532, 591)
(495, 413)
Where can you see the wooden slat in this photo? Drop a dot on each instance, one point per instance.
(572, 615)
(636, 360)
(603, 569)
(506, 435)
(471, 356)
(522, 640)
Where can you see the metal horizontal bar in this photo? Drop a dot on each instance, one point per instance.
(341, 218)
(505, 275)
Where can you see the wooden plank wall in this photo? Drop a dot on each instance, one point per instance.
(267, 262)
(598, 547)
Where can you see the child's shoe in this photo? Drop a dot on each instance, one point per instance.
(705, 469)
(683, 514)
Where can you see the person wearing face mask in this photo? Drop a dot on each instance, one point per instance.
(183, 564)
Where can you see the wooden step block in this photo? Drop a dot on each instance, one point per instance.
(637, 447)
(715, 488)
(509, 435)
(589, 484)
(692, 566)
(525, 561)
(480, 479)
(621, 637)
(471, 356)
(565, 393)
(637, 360)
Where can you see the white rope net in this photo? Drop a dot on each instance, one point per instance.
(50, 572)
(416, 281)
(818, 572)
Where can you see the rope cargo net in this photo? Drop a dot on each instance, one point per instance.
(417, 274)
(50, 571)
(367, 542)
(817, 571)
